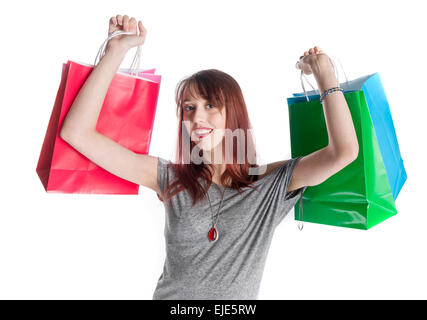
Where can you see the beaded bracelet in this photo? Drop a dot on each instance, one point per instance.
(324, 94)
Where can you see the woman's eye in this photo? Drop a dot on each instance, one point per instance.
(189, 108)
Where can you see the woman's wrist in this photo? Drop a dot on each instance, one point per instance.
(326, 80)
(324, 74)
(116, 50)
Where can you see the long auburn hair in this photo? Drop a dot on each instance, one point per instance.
(223, 91)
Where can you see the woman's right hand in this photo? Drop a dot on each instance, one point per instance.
(126, 41)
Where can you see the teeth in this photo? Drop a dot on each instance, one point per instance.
(203, 131)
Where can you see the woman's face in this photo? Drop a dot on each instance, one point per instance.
(199, 113)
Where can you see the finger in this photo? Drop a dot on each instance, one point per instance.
(132, 25)
(125, 23)
(305, 53)
(142, 30)
(120, 19)
(113, 25)
(310, 51)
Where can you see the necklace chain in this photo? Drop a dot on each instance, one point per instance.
(219, 208)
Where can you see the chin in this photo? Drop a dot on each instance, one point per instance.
(207, 145)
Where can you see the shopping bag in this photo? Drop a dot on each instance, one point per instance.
(362, 194)
(127, 117)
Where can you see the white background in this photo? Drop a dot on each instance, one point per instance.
(62, 246)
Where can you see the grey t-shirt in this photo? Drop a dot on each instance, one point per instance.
(231, 267)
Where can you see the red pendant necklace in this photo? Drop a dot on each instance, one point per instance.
(213, 232)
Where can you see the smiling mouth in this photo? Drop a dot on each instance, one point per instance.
(203, 135)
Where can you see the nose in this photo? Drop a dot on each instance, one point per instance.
(200, 116)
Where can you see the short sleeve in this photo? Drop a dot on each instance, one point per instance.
(163, 174)
(290, 198)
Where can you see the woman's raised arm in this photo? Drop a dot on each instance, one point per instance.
(343, 147)
(79, 126)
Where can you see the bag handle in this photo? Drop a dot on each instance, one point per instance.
(335, 71)
(136, 59)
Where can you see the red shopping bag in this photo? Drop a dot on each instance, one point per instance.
(127, 117)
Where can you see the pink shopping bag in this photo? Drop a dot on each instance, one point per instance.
(127, 117)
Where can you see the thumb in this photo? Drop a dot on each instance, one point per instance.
(142, 29)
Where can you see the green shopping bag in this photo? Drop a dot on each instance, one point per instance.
(359, 196)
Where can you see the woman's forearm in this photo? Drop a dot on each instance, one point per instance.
(84, 112)
(339, 123)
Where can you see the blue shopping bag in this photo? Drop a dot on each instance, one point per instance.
(382, 121)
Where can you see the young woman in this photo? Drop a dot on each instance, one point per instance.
(220, 213)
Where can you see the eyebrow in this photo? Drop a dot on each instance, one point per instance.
(192, 101)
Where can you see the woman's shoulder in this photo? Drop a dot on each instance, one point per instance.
(266, 169)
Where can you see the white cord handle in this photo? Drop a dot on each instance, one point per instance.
(136, 59)
(335, 71)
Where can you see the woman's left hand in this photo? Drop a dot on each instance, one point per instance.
(312, 60)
